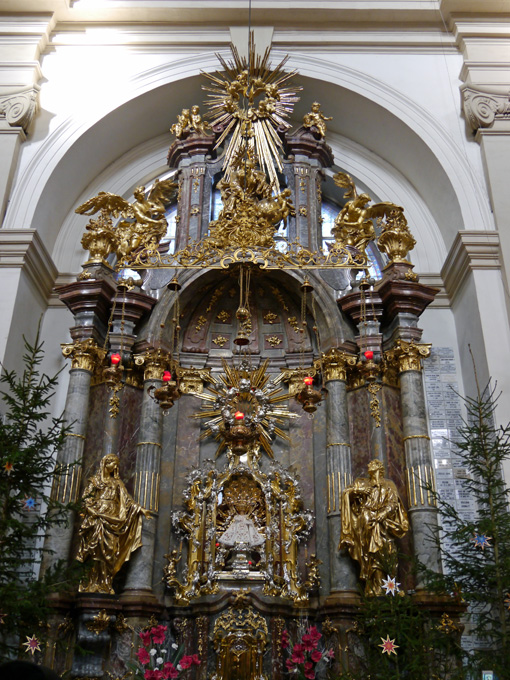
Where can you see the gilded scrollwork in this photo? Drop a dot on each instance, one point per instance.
(240, 637)
(154, 362)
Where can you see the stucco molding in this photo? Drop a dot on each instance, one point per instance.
(482, 107)
(471, 250)
(23, 249)
(19, 108)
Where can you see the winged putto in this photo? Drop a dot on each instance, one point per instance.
(142, 225)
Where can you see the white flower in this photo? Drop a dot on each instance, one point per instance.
(179, 667)
(174, 646)
(162, 651)
(159, 660)
(153, 652)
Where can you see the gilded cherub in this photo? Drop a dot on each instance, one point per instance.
(144, 223)
(316, 119)
(181, 126)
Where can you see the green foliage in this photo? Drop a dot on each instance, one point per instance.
(427, 648)
(481, 577)
(29, 442)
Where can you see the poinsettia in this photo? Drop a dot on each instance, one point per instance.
(306, 660)
(153, 656)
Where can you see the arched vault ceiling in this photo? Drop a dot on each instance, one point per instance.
(68, 160)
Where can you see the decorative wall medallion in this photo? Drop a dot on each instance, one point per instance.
(224, 316)
(220, 340)
(274, 340)
(270, 317)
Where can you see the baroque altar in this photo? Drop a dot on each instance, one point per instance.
(240, 394)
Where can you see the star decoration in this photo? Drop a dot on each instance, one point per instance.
(481, 541)
(29, 503)
(388, 646)
(391, 586)
(32, 645)
(507, 600)
(8, 467)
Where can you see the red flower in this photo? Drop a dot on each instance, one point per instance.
(285, 639)
(314, 633)
(196, 660)
(310, 674)
(169, 670)
(159, 634)
(309, 644)
(289, 664)
(298, 654)
(186, 662)
(145, 637)
(316, 656)
(143, 656)
(153, 675)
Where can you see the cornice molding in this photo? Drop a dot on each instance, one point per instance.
(19, 108)
(23, 249)
(471, 250)
(483, 107)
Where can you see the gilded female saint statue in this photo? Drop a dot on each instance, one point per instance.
(111, 528)
(372, 517)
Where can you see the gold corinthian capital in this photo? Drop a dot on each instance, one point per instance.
(154, 361)
(336, 363)
(407, 356)
(84, 354)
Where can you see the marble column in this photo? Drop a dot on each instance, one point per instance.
(147, 473)
(419, 463)
(84, 355)
(338, 460)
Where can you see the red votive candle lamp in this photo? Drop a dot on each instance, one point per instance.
(308, 380)
(115, 359)
(167, 376)
(239, 415)
(369, 355)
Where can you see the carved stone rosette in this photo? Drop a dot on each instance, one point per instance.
(85, 354)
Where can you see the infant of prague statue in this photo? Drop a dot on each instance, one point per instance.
(372, 516)
(242, 536)
(111, 528)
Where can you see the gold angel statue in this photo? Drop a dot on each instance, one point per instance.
(143, 225)
(190, 121)
(316, 119)
(111, 528)
(354, 224)
(372, 517)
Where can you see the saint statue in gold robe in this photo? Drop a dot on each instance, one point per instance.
(111, 528)
(372, 517)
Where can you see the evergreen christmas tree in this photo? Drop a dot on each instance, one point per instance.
(29, 441)
(476, 551)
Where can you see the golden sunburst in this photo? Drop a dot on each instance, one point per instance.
(250, 103)
(244, 408)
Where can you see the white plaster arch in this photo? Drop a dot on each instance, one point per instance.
(71, 157)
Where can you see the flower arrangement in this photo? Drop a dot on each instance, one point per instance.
(154, 653)
(306, 659)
